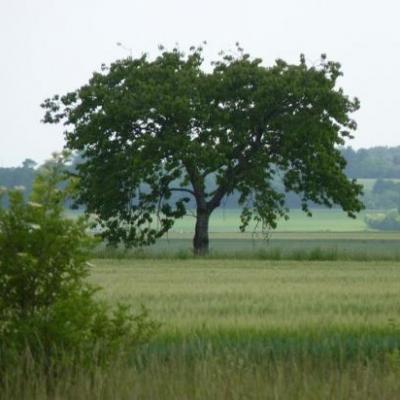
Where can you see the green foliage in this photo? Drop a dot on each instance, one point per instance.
(375, 162)
(381, 193)
(389, 221)
(45, 303)
(161, 121)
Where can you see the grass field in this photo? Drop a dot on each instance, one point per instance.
(322, 220)
(237, 295)
(361, 246)
(247, 329)
(235, 329)
(228, 220)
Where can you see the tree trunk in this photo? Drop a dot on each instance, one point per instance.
(200, 241)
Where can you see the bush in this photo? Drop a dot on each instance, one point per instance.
(46, 305)
(384, 221)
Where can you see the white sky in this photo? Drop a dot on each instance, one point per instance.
(53, 46)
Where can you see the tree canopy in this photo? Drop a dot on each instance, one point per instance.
(375, 162)
(147, 128)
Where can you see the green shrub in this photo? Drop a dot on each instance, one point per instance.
(46, 305)
(384, 221)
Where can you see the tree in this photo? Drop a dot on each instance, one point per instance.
(28, 163)
(147, 128)
(18, 176)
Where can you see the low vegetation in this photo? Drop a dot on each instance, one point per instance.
(49, 317)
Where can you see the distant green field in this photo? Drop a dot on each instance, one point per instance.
(328, 234)
(322, 220)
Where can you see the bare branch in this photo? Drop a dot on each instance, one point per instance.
(182, 190)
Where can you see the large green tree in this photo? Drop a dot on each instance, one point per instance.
(147, 128)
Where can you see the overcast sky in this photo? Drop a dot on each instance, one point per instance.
(53, 46)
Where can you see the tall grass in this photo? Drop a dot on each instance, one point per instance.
(223, 375)
(275, 253)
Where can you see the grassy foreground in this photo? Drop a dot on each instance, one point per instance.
(246, 329)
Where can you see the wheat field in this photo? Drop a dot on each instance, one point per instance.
(244, 329)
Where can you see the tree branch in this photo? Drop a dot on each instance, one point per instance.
(216, 199)
(197, 182)
(182, 190)
(228, 182)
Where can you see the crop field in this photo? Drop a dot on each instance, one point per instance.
(236, 329)
(249, 329)
(251, 295)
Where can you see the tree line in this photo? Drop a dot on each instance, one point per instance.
(380, 163)
(375, 162)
